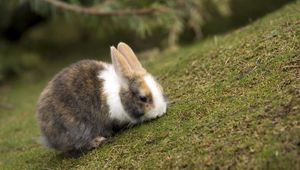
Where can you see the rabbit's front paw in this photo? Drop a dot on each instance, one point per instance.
(96, 142)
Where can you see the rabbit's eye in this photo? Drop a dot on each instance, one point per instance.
(143, 99)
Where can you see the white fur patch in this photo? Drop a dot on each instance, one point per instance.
(160, 105)
(111, 88)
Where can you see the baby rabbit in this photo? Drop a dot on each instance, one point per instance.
(90, 100)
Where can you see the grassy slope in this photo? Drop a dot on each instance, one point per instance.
(234, 102)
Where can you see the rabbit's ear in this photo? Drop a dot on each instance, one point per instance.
(120, 64)
(131, 57)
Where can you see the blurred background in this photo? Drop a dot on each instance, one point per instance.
(38, 37)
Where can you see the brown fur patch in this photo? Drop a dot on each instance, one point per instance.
(145, 90)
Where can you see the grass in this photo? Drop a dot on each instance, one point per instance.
(234, 103)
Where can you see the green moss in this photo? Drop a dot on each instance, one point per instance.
(234, 103)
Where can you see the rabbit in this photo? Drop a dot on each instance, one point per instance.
(89, 101)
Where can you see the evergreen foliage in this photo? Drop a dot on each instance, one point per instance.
(177, 16)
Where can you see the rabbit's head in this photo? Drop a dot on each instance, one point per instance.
(141, 96)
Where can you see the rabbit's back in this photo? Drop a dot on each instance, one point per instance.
(72, 108)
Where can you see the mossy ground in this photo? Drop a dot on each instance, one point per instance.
(234, 103)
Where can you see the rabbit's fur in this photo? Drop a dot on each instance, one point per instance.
(90, 100)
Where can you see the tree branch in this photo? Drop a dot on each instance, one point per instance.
(98, 12)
